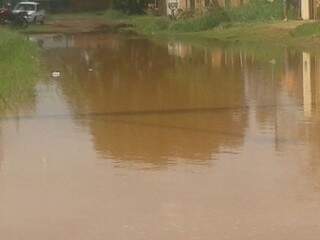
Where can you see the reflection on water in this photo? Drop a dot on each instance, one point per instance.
(164, 141)
(307, 96)
(170, 108)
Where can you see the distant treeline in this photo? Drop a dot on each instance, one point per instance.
(67, 5)
(127, 6)
(254, 7)
(130, 6)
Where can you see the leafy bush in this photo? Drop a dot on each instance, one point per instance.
(149, 24)
(185, 14)
(257, 10)
(209, 20)
(307, 29)
(189, 21)
(130, 6)
(115, 15)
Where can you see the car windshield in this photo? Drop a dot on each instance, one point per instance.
(26, 7)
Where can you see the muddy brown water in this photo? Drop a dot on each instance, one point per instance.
(146, 140)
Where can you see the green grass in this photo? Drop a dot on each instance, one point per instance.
(307, 30)
(255, 11)
(19, 67)
(207, 21)
(115, 15)
(224, 25)
(150, 24)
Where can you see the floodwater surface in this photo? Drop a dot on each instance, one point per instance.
(165, 141)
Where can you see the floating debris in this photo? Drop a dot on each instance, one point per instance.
(56, 74)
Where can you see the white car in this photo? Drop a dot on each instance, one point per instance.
(34, 12)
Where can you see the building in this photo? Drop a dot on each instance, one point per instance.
(310, 9)
(196, 5)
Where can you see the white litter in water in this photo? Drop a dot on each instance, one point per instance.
(56, 74)
(90, 70)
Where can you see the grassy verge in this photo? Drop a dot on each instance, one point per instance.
(188, 21)
(259, 22)
(273, 31)
(19, 68)
(257, 11)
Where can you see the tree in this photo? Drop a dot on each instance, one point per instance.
(130, 6)
(293, 7)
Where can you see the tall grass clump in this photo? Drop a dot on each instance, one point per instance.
(112, 14)
(207, 21)
(19, 67)
(253, 11)
(193, 21)
(307, 30)
(149, 24)
(257, 10)
(130, 6)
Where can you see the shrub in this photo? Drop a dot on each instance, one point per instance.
(19, 66)
(130, 6)
(185, 14)
(209, 20)
(307, 29)
(257, 10)
(151, 24)
(115, 15)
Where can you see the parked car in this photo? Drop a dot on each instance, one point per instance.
(34, 11)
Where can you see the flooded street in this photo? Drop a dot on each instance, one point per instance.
(163, 140)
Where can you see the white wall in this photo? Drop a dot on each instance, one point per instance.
(305, 9)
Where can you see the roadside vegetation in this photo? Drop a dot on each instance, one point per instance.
(19, 67)
(307, 30)
(258, 21)
(192, 21)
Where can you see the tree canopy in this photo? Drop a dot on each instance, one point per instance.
(130, 6)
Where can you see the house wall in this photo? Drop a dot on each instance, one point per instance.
(305, 9)
(310, 9)
(201, 4)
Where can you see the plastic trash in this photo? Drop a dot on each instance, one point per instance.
(56, 74)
